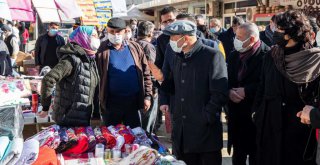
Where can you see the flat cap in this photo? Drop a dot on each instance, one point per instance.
(181, 27)
(6, 28)
(117, 23)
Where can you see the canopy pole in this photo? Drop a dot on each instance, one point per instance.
(36, 31)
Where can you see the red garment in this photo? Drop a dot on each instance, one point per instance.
(111, 140)
(123, 131)
(83, 142)
(25, 36)
(47, 156)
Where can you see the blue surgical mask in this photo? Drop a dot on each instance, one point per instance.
(213, 30)
(53, 32)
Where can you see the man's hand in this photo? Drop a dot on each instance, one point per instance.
(235, 97)
(156, 72)
(33, 53)
(43, 114)
(304, 115)
(147, 104)
(240, 92)
(164, 108)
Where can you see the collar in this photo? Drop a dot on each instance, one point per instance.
(193, 51)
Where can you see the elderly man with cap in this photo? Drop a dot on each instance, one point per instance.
(125, 80)
(199, 83)
(11, 41)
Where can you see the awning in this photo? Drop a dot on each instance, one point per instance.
(5, 12)
(47, 10)
(21, 10)
(70, 8)
(119, 8)
(134, 12)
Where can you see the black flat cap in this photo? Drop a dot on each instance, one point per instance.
(117, 23)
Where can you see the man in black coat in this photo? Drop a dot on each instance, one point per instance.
(244, 67)
(227, 37)
(199, 83)
(267, 35)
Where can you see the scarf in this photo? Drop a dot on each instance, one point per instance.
(111, 140)
(81, 36)
(92, 139)
(301, 67)
(83, 142)
(269, 33)
(119, 139)
(244, 58)
(68, 140)
(47, 156)
(99, 136)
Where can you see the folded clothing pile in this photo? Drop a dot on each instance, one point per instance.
(10, 151)
(141, 137)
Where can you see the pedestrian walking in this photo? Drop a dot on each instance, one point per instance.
(199, 83)
(46, 47)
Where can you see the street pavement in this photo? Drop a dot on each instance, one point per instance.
(226, 158)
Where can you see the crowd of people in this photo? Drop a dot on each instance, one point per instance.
(267, 82)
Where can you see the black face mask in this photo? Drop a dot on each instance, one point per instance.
(278, 38)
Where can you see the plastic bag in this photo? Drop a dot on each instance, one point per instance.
(11, 121)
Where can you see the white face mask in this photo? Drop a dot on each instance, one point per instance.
(174, 45)
(318, 38)
(238, 45)
(128, 36)
(273, 28)
(95, 43)
(115, 39)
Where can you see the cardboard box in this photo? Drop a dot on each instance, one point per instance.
(21, 57)
(29, 68)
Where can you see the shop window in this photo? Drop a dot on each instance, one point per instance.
(199, 10)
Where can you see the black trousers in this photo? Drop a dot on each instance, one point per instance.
(206, 158)
(239, 156)
(202, 158)
(122, 110)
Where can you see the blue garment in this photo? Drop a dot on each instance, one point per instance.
(122, 73)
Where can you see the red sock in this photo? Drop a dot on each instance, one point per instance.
(111, 140)
(83, 142)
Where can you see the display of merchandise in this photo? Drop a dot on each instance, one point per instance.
(13, 151)
(80, 145)
(141, 137)
(11, 121)
(29, 153)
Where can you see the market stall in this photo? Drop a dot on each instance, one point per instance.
(53, 144)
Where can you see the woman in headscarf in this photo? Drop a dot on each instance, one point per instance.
(289, 82)
(76, 79)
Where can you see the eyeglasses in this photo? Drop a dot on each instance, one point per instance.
(168, 21)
